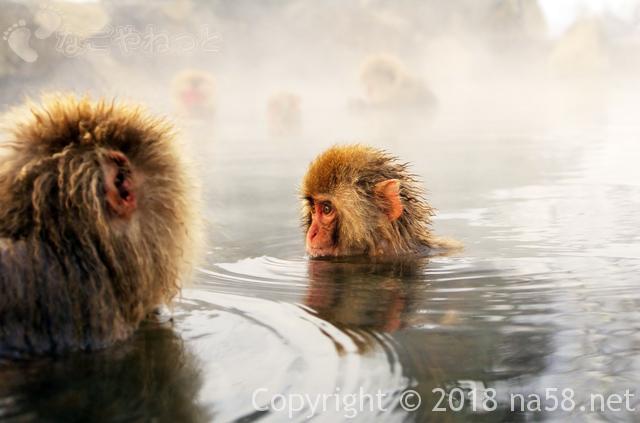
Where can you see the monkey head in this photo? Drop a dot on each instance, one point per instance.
(359, 200)
(194, 93)
(388, 84)
(283, 114)
(382, 77)
(98, 191)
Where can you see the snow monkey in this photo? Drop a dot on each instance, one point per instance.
(194, 93)
(358, 200)
(95, 223)
(284, 117)
(388, 84)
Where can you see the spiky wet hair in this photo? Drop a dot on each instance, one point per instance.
(70, 276)
(348, 175)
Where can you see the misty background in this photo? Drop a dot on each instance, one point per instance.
(482, 59)
(257, 89)
(520, 117)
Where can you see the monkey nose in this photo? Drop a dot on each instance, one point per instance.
(313, 232)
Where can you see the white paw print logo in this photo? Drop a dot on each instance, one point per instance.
(18, 35)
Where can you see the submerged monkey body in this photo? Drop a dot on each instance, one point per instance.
(358, 200)
(43, 314)
(95, 215)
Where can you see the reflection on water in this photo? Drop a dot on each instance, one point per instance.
(151, 377)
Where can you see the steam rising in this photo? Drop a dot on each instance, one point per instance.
(474, 62)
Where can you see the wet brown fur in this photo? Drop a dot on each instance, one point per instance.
(348, 175)
(71, 275)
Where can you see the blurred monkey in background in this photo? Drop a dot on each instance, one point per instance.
(194, 93)
(388, 85)
(284, 117)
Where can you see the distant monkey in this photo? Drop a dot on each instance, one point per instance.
(95, 224)
(360, 200)
(194, 93)
(283, 114)
(517, 18)
(388, 84)
(582, 50)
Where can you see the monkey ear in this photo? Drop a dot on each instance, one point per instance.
(118, 185)
(389, 190)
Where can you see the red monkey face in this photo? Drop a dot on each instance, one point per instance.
(351, 226)
(194, 93)
(322, 233)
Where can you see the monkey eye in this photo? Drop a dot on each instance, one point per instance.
(327, 208)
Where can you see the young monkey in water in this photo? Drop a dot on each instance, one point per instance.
(358, 200)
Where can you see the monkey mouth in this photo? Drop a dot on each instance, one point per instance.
(321, 252)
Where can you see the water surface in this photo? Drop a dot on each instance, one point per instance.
(543, 296)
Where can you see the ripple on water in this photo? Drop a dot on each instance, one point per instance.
(246, 344)
(263, 276)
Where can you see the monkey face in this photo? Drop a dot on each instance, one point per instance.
(351, 222)
(194, 93)
(322, 235)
